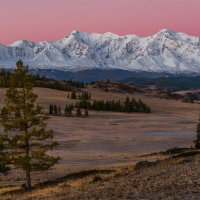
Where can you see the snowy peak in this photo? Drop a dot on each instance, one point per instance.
(166, 32)
(22, 43)
(165, 51)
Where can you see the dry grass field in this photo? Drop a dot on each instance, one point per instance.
(168, 179)
(107, 140)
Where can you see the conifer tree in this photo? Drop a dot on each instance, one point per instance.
(197, 141)
(55, 110)
(68, 110)
(78, 112)
(86, 113)
(73, 95)
(24, 121)
(59, 110)
(51, 109)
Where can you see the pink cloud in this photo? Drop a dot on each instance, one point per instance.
(52, 19)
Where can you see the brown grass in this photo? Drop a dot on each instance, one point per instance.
(171, 179)
(108, 139)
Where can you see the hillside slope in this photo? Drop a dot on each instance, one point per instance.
(169, 179)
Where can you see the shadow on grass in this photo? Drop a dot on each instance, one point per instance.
(174, 153)
(187, 154)
(68, 177)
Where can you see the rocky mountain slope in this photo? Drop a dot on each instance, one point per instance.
(166, 51)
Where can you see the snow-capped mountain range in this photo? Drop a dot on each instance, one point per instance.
(166, 51)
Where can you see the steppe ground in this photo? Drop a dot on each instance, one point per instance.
(107, 139)
(170, 179)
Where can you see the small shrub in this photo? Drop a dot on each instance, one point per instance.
(145, 164)
(96, 179)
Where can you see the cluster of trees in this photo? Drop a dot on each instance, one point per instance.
(68, 112)
(54, 110)
(117, 106)
(40, 81)
(25, 141)
(69, 109)
(83, 96)
(58, 85)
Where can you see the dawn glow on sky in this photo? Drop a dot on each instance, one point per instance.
(39, 20)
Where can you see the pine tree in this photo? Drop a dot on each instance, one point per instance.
(78, 112)
(68, 110)
(197, 141)
(51, 109)
(73, 95)
(86, 113)
(26, 137)
(55, 110)
(128, 105)
(59, 110)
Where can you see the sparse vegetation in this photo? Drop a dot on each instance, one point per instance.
(173, 178)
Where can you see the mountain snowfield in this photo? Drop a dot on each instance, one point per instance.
(166, 51)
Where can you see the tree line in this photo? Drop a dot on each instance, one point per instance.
(128, 105)
(82, 96)
(68, 111)
(40, 81)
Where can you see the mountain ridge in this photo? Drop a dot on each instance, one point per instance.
(165, 51)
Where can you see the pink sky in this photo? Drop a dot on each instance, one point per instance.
(39, 20)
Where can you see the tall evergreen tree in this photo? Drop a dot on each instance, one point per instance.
(73, 95)
(24, 122)
(78, 112)
(197, 140)
(55, 110)
(86, 113)
(68, 110)
(59, 110)
(51, 109)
